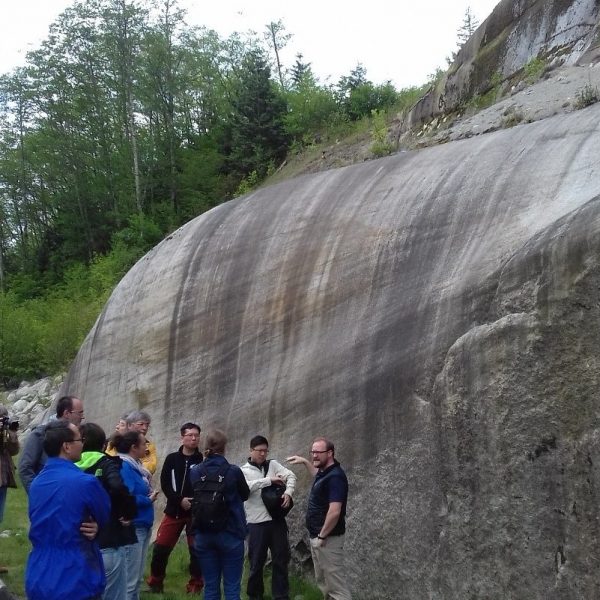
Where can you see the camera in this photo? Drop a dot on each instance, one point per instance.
(8, 424)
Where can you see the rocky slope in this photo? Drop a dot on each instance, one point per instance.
(30, 403)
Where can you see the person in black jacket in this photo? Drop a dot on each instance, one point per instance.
(118, 532)
(175, 483)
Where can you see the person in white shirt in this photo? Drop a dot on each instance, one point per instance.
(267, 532)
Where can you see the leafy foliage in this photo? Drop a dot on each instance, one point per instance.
(381, 145)
(534, 69)
(124, 125)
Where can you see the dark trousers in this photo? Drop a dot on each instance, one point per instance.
(270, 535)
(167, 536)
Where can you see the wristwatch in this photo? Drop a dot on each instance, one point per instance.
(321, 538)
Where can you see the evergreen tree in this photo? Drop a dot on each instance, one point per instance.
(255, 130)
(300, 70)
(468, 27)
(357, 77)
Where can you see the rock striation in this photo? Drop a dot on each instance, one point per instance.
(435, 314)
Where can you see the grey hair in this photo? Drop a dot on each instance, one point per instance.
(3, 411)
(138, 415)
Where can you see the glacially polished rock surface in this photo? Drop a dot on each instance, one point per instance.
(436, 314)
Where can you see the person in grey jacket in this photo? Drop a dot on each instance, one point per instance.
(33, 457)
(265, 532)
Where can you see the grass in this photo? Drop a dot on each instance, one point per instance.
(587, 96)
(15, 548)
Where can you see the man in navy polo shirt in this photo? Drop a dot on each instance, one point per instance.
(326, 518)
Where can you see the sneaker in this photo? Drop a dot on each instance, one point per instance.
(153, 589)
(3, 569)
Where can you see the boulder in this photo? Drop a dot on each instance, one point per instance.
(434, 313)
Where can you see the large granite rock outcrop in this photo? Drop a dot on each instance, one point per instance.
(555, 31)
(436, 313)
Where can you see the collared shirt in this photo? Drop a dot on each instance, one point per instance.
(330, 485)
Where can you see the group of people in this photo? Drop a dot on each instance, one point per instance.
(91, 507)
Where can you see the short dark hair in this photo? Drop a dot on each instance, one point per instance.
(55, 435)
(122, 442)
(189, 426)
(64, 404)
(94, 438)
(215, 442)
(258, 440)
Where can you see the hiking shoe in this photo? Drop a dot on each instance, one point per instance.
(3, 569)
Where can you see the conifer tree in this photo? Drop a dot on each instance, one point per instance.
(468, 27)
(300, 70)
(256, 131)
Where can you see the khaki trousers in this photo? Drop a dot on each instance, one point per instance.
(330, 571)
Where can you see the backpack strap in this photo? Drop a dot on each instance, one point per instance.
(204, 471)
(223, 470)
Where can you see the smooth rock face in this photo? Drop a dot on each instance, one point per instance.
(435, 314)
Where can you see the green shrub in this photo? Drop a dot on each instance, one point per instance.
(511, 117)
(247, 184)
(379, 134)
(534, 69)
(41, 334)
(586, 96)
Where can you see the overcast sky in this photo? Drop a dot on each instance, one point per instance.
(400, 40)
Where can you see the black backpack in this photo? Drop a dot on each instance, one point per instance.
(209, 507)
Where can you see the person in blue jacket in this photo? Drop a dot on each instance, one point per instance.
(131, 448)
(63, 563)
(221, 553)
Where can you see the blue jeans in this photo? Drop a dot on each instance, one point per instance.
(135, 557)
(221, 556)
(2, 501)
(115, 568)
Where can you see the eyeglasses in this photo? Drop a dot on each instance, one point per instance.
(77, 412)
(319, 451)
(81, 439)
(261, 450)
